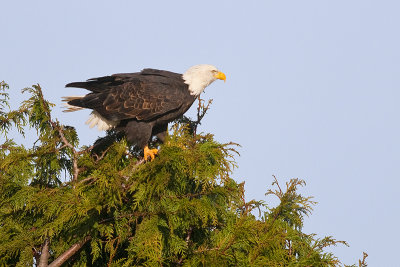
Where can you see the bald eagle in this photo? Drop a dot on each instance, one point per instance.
(141, 104)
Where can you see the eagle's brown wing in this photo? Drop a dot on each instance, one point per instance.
(144, 96)
(143, 100)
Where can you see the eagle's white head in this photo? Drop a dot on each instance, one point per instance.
(200, 76)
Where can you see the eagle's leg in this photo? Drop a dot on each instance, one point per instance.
(139, 133)
(160, 131)
(149, 153)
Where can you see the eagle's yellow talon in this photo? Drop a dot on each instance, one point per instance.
(149, 153)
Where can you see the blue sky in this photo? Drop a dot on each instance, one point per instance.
(312, 90)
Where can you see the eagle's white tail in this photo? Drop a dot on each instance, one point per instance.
(68, 107)
(102, 123)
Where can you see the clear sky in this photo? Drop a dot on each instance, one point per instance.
(312, 90)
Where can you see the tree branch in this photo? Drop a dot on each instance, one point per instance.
(44, 256)
(69, 252)
(68, 144)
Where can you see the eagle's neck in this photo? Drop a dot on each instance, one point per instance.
(197, 83)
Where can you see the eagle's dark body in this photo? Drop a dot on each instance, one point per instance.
(140, 104)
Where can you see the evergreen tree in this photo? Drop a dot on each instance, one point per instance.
(102, 205)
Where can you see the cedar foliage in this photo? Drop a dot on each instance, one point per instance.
(65, 205)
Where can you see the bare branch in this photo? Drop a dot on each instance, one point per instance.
(90, 178)
(44, 257)
(85, 150)
(363, 263)
(98, 158)
(69, 252)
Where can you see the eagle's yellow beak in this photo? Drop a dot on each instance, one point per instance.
(221, 76)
